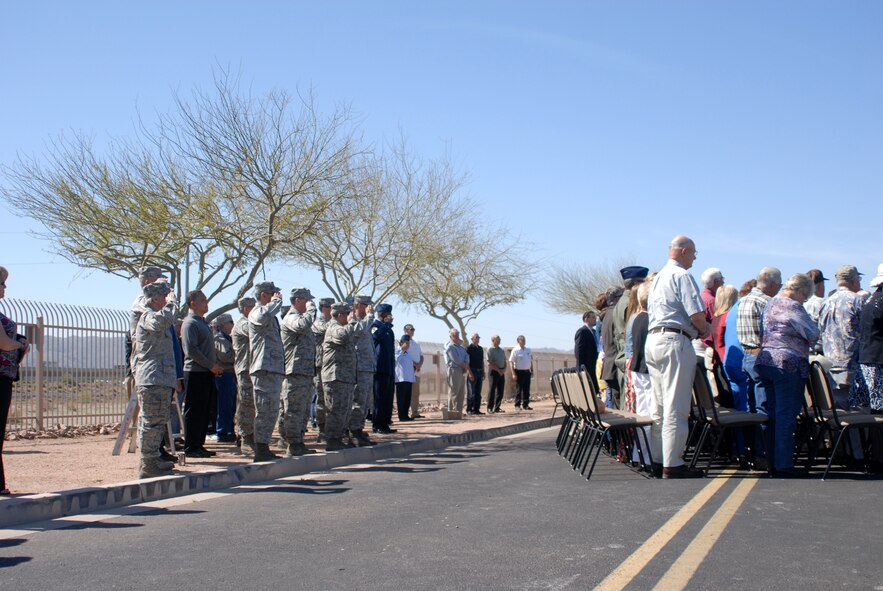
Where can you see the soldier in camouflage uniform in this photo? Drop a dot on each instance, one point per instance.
(300, 367)
(364, 395)
(155, 376)
(339, 372)
(839, 322)
(320, 324)
(241, 364)
(267, 365)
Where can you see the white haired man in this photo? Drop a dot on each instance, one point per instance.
(676, 317)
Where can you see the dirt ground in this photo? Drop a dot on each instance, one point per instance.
(52, 465)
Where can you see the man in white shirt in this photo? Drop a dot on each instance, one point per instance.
(520, 360)
(677, 316)
(417, 356)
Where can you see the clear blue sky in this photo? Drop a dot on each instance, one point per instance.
(596, 129)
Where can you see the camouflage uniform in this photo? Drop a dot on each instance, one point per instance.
(245, 403)
(300, 368)
(339, 375)
(153, 362)
(320, 325)
(267, 367)
(839, 323)
(364, 395)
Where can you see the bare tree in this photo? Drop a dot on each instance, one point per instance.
(572, 288)
(401, 208)
(228, 178)
(471, 270)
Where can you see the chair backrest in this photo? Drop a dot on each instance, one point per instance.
(702, 391)
(558, 386)
(819, 388)
(724, 389)
(574, 391)
(591, 393)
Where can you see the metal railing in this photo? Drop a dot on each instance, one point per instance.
(75, 370)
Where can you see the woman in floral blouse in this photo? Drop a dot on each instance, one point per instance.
(12, 349)
(783, 365)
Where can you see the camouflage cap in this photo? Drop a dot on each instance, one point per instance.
(246, 302)
(326, 302)
(301, 292)
(151, 273)
(364, 299)
(154, 290)
(340, 308)
(222, 319)
(265, 287)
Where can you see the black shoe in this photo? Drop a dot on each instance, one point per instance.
(417, 416)
(655, 470)
(227, 439)
(518, 406)
(470, 412)
(405, 419)
(682, 471)
(527, 407)
(164, 455)
(478, 412)
(197, 453)
(789, 473)
(496, 410)
(384, 430)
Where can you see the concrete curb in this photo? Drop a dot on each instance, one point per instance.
(40, 507)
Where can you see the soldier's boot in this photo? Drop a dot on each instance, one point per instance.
(150, 468)
(262, 453)
(237, 447)
(320, 438)
(299, 449)
(165, 465)
(348, 440)
(362, 439)
(248, 444)
(334, 444)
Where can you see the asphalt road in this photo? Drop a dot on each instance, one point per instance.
(505, 514)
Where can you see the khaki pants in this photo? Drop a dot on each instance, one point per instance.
(456, 389)
(671, 362)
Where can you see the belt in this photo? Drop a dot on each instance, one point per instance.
(751, 349)
(660, 329)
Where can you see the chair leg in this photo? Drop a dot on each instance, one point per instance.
(834, 452)
(699, 446)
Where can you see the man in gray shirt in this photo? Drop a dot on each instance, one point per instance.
(200, 369)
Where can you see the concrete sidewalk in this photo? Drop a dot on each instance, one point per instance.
(225, 471)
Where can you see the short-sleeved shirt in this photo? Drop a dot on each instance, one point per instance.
(496, 358)
(674, 297)
(520, 358)
(404, 366)
(840, 321)
(749, 320)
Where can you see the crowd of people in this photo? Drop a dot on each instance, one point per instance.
(274, 367)
(653, 331)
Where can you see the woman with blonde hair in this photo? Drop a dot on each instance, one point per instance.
(12, 350)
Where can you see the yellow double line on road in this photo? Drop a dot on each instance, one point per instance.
(679, 574)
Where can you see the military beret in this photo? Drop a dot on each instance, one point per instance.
(340, 308)
(153, 290)
(222, 319)
(246, 302)
(151, 273)
(326, 302)
(634, 272)
(363, 299)
(265, 287)
(301, 292)
(382, 309)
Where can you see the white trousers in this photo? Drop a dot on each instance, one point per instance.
(671, 362)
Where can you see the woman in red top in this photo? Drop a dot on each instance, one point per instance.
(724, 299)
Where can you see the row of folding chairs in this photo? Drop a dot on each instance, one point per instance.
(822, 428)
(589, 428)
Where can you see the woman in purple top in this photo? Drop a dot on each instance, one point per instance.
(783, 365)
(12, 350)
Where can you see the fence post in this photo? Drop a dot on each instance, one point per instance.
(41, 333)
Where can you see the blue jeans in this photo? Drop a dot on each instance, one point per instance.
(473, 389)
(784, 401)
(226, 386)
(757, 397)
